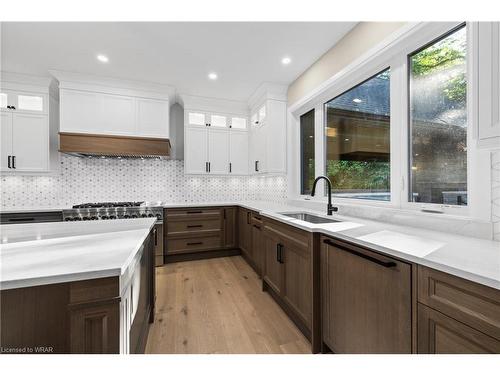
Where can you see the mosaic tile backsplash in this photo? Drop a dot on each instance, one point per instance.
(99, 180)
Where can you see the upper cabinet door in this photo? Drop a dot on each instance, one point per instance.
(196, 119)
(78, 111)
(4, 100)
(5, 140)
(152, 117)
(238, 123)
(238, 153)
(30, 142)
(218, 151)
(218, 121)
(488, 132)
(116, 114)
(21, 101)
(195, 150)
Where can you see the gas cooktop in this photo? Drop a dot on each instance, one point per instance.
(112, 211)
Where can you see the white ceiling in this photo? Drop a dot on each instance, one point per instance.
(180, 54)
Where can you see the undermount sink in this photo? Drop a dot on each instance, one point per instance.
(304, 216)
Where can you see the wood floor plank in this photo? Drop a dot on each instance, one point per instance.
(217, 306)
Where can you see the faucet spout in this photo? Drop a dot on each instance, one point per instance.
(329, 209)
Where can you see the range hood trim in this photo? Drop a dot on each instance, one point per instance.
(114, 146)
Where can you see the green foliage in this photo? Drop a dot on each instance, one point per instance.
(363, 175)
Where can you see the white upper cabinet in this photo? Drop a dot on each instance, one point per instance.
(238, 123)
(28, 125)
(268, 130)
(99, 113)
(218, 121)
(488, 128)
(153, 117)
(238, 153)
(196, 150)
(196, 119)
(101, 105)
(218, 151)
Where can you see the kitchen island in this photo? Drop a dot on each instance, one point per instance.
(77, 287)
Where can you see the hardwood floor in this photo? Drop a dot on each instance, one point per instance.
(217, 306)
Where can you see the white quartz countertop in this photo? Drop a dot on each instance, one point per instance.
(471, 258)
(47, 253)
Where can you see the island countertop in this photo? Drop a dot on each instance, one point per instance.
(48, 253)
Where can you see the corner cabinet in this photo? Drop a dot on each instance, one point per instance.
(215, 143)
(488, 98)
(28, 129)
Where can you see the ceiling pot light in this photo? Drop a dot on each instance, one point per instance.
(103, 58)
(212, 76)
(286, 60)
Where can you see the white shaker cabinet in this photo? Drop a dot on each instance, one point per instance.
(218, 151)
(6, 140)
(196, 150)
(153, 117)
(488, 128)
(115, 114)
(238, 153)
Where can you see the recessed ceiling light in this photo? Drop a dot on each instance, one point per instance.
(286, 60)
(102, 58)
(356, 100)
(212, 76)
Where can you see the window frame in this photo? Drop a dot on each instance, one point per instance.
(301, 167)
(393, 54)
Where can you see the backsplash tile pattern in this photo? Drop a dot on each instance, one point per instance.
(92, 180)
(495, 194)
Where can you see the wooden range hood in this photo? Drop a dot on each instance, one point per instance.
(84, 145)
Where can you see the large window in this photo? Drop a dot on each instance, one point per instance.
(307, 152)
(358, 140)
(438, 121)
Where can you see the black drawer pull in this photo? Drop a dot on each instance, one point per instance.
(256, 226)
(194, 243)
(194, 212)
(23, 219)
(195, 226)
(364, 256)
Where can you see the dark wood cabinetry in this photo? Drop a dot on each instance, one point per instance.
(230, 237)
(287, 272)
(366, 300)
(244, 232)
(456, 315)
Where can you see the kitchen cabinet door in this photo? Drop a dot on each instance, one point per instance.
(78, 111)
(297, 287)
(30, 142)
(257, 248)
(218, 151)
(230, 217)
(196, 150)
(440, 334)
(366, 300)
(244, 231)
(116, 114)
(152, 117)
(273, 271)
(258, 145)
(6, 139)
(238, 153)
(488, 130)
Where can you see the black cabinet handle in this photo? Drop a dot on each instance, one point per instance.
(14, 161)
(208, 167)
(20, 219)
(194, 212)
(256, 165)
(281, 260)
(361, 255)
(230, 168)
(194, 243)
(156, 236)
(248, 217)
(9, 161)
(278, 253)
(12, 107)
(8, 107)
(195, 226)
(256, 226)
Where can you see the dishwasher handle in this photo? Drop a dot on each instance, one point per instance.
(362, 255)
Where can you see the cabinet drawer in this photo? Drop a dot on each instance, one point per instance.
(189, 226)
(440, 334)
(192, 213)
(190, 245)
(473, 304)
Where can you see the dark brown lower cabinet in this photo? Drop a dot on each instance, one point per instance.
(287, 273)
(244, 232)
(440, 334)
(366, 300)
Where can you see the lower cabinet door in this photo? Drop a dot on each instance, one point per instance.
(440, 334)
(257, 248)
(273, 270)
(297, 287)
(366, 300)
